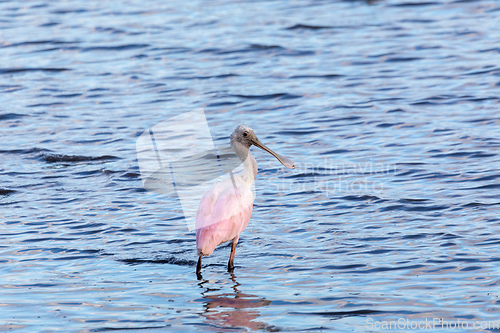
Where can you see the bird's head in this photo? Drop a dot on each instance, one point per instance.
(244, 136)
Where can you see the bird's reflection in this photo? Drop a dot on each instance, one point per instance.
(232, 309)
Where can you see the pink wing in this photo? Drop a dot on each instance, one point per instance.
(221, 217)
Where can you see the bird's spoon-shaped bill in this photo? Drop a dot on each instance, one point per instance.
(284, 160)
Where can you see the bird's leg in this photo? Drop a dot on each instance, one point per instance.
(198, 266)
(230, 264)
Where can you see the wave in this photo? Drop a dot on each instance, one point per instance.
(56, 158)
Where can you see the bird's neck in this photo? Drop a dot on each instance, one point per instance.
(249, 163)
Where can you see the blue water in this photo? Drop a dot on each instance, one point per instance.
(390, 109)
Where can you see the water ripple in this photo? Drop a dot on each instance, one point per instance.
(388, 108)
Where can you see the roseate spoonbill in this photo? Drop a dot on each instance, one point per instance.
(225, 209)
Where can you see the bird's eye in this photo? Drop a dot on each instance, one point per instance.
(245, 134)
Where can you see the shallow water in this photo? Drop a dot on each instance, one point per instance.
(389, 109)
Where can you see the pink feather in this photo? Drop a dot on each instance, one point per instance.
(222, 216)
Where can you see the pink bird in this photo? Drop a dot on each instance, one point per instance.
(225, 209)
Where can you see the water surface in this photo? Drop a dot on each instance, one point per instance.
(389, 109)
